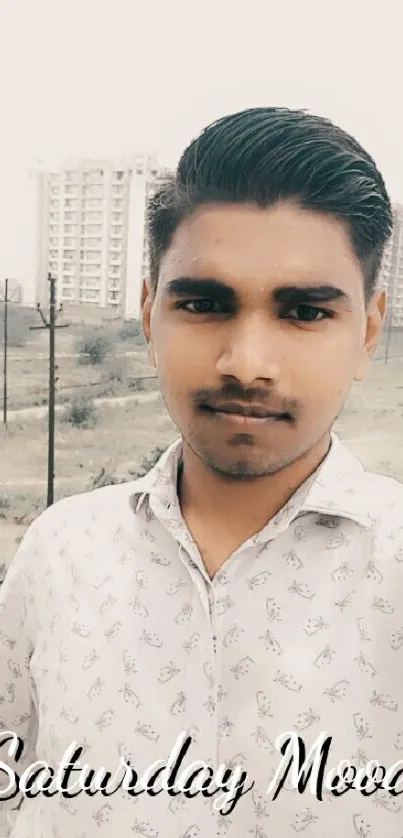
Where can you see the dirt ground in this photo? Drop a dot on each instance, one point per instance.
(125, 434)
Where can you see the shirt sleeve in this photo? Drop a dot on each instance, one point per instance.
(17, 703)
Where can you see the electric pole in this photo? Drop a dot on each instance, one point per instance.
(52, 326)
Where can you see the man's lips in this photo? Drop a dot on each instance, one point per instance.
(235, 411)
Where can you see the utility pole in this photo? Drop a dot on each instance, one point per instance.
(52, 326)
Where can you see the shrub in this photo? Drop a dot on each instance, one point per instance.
(81, 413)
(148, 462)
(92, 348)
(4, 505)
(104, 478)
(132, 331)
(116, 371)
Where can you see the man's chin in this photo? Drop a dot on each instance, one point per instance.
(241, 468)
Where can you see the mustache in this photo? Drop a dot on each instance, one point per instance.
(233, 392)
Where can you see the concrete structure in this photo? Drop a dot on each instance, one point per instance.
(392, 269)
(90, 232)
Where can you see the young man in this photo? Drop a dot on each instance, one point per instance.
(248, 590)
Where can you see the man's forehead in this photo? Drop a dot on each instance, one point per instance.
(282, 243)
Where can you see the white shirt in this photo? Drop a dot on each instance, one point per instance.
(113, 635)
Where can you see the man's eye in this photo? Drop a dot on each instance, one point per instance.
(204, 306)
(307, 313)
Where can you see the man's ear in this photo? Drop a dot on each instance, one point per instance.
(146, 306)
(375, 320)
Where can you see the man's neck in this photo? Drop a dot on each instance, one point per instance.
(231, 511)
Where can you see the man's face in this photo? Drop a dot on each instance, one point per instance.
(262, 311)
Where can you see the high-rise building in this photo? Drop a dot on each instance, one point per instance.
(91, 232)
(392, 269)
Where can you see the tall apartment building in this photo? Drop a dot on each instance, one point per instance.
(392, 269)
(91, 232)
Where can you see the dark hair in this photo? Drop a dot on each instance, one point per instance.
(265, 155)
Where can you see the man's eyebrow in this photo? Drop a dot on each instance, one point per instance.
(199, 288)
(282, 295)
(295, 294)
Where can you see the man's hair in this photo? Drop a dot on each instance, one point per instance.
(266, 155)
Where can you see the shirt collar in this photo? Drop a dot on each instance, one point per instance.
(336, 488)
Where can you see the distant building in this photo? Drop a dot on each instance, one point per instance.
(392, 269)
(90, 232)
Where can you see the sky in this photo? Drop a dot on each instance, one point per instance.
(110, 77)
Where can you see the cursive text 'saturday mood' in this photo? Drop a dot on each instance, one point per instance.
(298, 768)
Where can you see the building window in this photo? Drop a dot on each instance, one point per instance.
(93, 176)
(70, 216)
(92, 228)
(92, 216)
(54, 228)
(92, 203)
(70, 189)
(70, 202)
(89, 243)
(92, 190)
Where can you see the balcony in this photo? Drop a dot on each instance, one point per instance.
(92, 274)
(91, 258)
(90, 287)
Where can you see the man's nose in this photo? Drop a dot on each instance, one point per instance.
(252, 351)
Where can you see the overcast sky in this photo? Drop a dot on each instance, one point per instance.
(107, 77)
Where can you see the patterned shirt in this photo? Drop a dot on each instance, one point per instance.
(113, 636)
